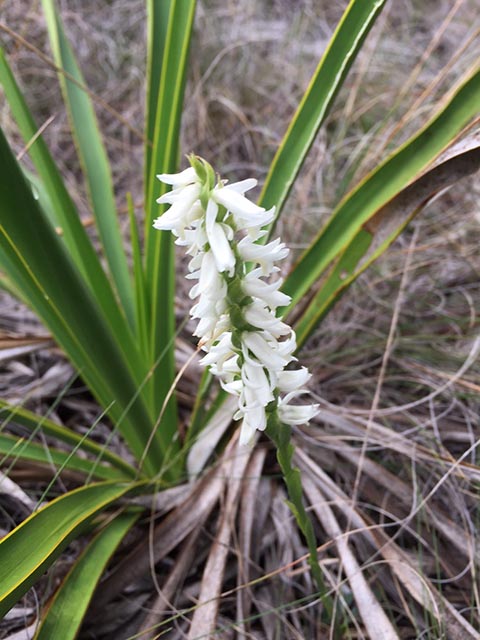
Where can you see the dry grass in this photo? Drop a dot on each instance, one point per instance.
(394, 452)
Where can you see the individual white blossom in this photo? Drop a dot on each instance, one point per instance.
(246, 345)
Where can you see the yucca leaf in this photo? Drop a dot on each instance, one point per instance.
(381, 185)
(92, 156)
(35, 423)
(67, 221)
(52, 528)
(173, 42)
(65, 612)
(15, 448)
(332, 69)
(378, 233)
(139, 281)
(157, 23)
(38, 264)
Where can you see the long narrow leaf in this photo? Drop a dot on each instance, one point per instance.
(65, 613)
(139, 281)
(157, 22)
(160, 267)
(34, 423)
(92, 155)
(342, 50)
(36, 261)
(19, 449)
(67, 220)
(378, 233)
(52, 528)
(382, 185)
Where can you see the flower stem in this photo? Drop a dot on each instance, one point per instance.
(280, 434)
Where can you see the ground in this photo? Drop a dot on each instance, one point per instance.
(395, 366)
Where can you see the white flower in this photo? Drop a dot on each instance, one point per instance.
(264, 349)
(242, 186)
(181, 212)
(258, 315)
(292, 380)
(220, 352)
(247, 431)
(232, 199)
(264, 254)
(247, 346)
(295, 414)
(209, 279)
(179, 179)
(221, 249)
(254, 286)
(255, 378)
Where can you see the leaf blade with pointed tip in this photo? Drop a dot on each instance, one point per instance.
(37, 262)
(65, 613)
(66, 216)
(328, 78)
(93, 156)
(381, 185)
(52, 528)
(12, 447)
(174, 43)
(378, 233)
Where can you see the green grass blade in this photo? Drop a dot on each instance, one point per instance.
(344, 46)
(160, 267)
(65, 613)
(139, 281)
(38, 264)
(92, 156)
(14, 448)
(381, 185)
(35, 423)
(157, 23)
(63, 209)
(378, 233)
(27, 552)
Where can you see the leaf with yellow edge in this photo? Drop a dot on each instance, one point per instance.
(31, 548)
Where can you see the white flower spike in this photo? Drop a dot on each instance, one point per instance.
(247, 346)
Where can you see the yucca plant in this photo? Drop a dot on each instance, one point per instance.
(115, 320)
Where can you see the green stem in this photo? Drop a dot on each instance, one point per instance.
(280, 434)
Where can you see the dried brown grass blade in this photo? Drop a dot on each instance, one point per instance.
(209, 437)
(378, 434)
(400, 564)
(455, 163)
(162, 605)
(205, 616)
(461, 539)
(376, 623)
(168, 533)
(249, 495)
(423, 591)
(12, 489)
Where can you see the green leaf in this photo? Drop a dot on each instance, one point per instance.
(173, 41)
(69, 225)
(18, 448)
(157, 23)
(342, 50)
(65, 612)
(92, 156)
(380, 186)
(38, 264)
(28, 551)
(378, 233)
(35, 423)
(139, 280)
